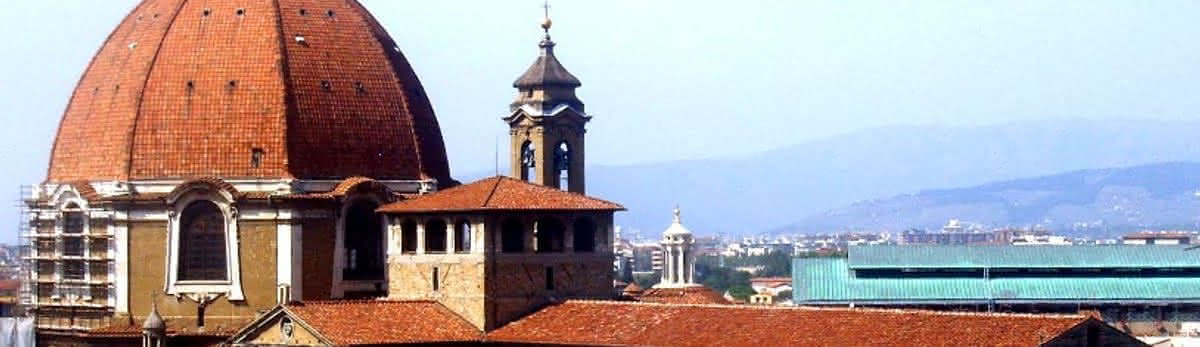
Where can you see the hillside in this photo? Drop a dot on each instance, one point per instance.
(757, 193)
(1161, 194)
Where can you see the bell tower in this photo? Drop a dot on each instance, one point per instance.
(547, 123)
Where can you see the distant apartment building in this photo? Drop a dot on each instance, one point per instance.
(1039, 240)
(1158, 238)
(953, 233)
(1149, 291)
(647, 258)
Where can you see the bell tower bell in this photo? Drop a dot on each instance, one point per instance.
(547, 123)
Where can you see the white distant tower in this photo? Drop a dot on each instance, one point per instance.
(679, 263)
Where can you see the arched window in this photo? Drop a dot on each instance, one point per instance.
(363, 242)
(549, 235)
(562, 164)
(435, 236)
(202, 243)
(408, 236)
(462, 236)
(528, 161)
(585, 235)
(512, 235)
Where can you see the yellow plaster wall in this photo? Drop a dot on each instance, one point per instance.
(147, 266)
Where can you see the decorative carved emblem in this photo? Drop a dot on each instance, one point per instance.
(287, 329)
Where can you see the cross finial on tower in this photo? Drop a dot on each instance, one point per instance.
(546, 22)
(677, 220)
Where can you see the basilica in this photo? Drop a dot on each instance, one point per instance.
(273, 173)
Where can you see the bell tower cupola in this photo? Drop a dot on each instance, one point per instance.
(679, 262)
(547, 122)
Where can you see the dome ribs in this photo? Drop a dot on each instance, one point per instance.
(93, 141)
(213, 128)
(222, 88)
(426, 131)
(373, 128)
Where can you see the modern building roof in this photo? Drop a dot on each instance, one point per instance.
(500, 194)
(832, 280)
(646, 324)
(382, 322)
(264, 89)
(1068, 256)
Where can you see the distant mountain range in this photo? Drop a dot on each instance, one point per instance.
(1150, 195)
(791, 187)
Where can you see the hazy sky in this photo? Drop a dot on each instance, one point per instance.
(692, 79)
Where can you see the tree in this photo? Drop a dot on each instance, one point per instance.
(719, 278)
(647, 280)
(741, 292)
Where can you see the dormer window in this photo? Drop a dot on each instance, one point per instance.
(256, 157)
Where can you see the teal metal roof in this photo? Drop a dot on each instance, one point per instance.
(830, 280)
(1104, 256)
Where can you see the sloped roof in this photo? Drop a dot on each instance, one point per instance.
(1098, 256)
(378, 322)
(830, 280)
(688, 295)
(500, 193)
(546, 71)
(631, 323)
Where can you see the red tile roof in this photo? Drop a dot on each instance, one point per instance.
(185, 89)
(633, 290)
(377, 322)
(630, 323)
(689, 295)
(500, 193)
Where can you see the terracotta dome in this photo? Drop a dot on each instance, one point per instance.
(311, 89)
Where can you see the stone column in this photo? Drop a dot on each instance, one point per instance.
(420, 237)
(666, 264)
(452, 236)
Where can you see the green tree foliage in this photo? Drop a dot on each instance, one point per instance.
(776, 264)
(712, 275)
(647, 280)
(741, 292)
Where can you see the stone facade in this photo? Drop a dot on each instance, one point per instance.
(281, 243)
(488, 286)
(547, 124)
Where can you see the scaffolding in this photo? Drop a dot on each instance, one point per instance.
(24, 246)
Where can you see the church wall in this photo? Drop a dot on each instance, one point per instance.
(147, 264)
(319, 240)
(460, 282)
(518, 282)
